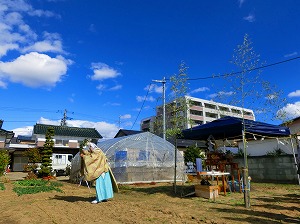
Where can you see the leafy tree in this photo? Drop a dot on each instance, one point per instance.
(177, 109)
(4, 161)
(246, 87)
(192, 153)
(34, 156)
(47, 150)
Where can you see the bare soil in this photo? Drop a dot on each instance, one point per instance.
(152, 203)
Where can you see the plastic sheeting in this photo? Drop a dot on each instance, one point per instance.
(143, 157)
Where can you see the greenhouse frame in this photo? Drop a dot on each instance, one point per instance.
(142, 157)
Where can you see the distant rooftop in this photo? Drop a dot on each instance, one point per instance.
(124, 132)
(67, 131)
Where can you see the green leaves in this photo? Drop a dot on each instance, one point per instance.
(36, 186)
(4, 161)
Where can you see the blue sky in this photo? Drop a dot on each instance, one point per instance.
(96, 58)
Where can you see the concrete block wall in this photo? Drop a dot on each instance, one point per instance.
(279, 169)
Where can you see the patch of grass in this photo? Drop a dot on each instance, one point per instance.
(35, 186)
(2, 187)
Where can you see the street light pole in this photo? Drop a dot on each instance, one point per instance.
(163, 81)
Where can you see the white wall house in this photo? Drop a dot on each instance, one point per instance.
(262, 147)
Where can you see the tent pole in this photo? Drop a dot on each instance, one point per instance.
(295, 160)
(245, 174)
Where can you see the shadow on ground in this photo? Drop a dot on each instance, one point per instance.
(73, 198)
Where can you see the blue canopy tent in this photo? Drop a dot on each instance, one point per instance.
(232, 127)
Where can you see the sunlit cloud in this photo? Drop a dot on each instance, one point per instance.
(250, 18)
(294, 94)
(241, 2)
(116, 87)
(201, 89)
(154, 88)
(34, 70)
(291, 54)
(103, 71)
(290, 111)
(144, 98)
(221, 93)
(125, 116)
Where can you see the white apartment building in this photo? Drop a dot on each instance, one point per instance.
(199, 112)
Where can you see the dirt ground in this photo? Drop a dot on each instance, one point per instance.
(156, 203)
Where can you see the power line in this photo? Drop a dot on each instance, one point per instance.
(248, 70)
(142, 105)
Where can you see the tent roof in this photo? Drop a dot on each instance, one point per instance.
(231, 127)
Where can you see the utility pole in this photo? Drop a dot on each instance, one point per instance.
(163, 81)
(63, 121)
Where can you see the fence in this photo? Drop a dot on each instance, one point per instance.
(280, 169)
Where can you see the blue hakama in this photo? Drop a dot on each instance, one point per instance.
(104, 188)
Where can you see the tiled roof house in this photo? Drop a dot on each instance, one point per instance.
(66, 141)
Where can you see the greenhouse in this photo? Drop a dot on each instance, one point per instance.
(142, 157)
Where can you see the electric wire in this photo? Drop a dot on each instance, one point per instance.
(142, 105)
(243, 71)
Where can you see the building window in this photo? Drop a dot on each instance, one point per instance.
(197, 122)
(236, 111)
(196, 103)
(210, 106)
(248, 113)
(146, 122)
(226, 109)
(211, 115)
(196, 112)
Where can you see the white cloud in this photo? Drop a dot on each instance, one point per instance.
(4, 48)
(294, 94)
(112, 104)
(201, 89)
(103, 71)
(40, 13)
(43, 120)
(290, 111)
(143, 98)
(116, 87)
(291, 54)
(34, 70)
(221, 93)
(101, 87)
(71, 99)
(154, 88)
(250, 18)
(27, 131)
(241, 2)
(125, 116)
(45, 46)
(92, 28)
(51, 43)
(17, 35)
(23, 7)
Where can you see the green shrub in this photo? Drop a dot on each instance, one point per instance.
(2, 187)
(36, 186)
(4, 161)
(276, 152)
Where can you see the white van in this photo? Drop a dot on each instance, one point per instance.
(61, 163)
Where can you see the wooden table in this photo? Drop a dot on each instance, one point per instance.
(215, 174)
